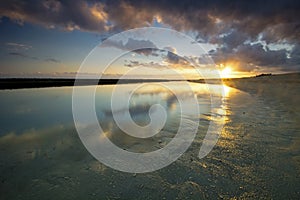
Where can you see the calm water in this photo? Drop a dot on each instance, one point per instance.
(42, 157)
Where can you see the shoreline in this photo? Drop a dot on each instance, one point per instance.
(239, 83)
(23, 83)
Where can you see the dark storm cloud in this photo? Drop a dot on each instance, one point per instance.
(67, 14)
(257, 55)
(252, 55)
(275, 19)
(294, 60)
(233, 39)
(217, 16)
(295, 53)
(229, 24)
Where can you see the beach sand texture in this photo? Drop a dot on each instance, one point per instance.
(257, 156)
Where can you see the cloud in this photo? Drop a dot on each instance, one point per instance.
(233, 25)
(259, 56)
(174, 59)
(233, 39)
(276, 20)
(52, 60)
(18, 46)
(157, 65)
(167, 60)
(136, 45)
(129, 45)
(250, 57)
(167, 54)
(171, 49)
(23, 55)
(18, 54)
(69, 15)
(294, 60)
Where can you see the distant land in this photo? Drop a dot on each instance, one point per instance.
(21, 83)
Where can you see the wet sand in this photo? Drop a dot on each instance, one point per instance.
(281, 89)
(256, 157)
(271, 131)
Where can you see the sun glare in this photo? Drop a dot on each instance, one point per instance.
(226, 72)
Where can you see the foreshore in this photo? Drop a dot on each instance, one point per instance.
(280, 89)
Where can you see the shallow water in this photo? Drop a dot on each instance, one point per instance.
(42, 157)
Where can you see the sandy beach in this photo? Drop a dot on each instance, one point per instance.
(146, 100)
(282, 89)
(256, 157)
(272, 120)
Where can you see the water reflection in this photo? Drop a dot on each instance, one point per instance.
(41, 154)
(31, 109)
(140, 105)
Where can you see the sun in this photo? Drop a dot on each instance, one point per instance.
(226, 72)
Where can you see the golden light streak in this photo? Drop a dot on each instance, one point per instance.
(226, 72)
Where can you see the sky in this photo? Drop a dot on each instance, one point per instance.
(51, 38)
